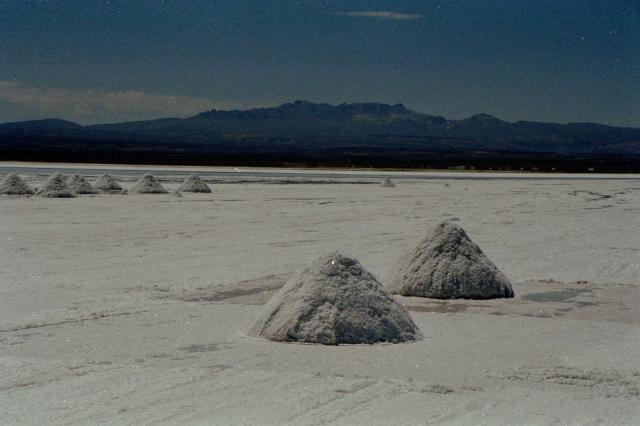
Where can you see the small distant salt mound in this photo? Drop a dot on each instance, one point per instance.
(334, 301)
(12, 184)
(193, 183)
(107, 183)
(147, 184)
(448, 265)
(55, 187)
(78, 184)
(387, 183)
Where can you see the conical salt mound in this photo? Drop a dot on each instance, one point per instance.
(107, 183)
(333, 301)
(147, 184)
(387, 183)
(193, 183)
(448, 265)
(55, 187)
(79, 185)
(12, 184)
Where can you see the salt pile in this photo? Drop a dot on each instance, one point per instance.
(387, 183)
(55, 187)
(448, 265)
(333, 301)
(12, 184)
(78, 184)
(107, 183)
(147, 184)
(194, 183)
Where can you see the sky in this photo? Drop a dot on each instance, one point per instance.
(96, 61)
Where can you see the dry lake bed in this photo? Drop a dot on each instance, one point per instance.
(132, 309)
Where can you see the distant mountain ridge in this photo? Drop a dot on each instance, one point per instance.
(47, 124)
(296, 119)
(301, 119)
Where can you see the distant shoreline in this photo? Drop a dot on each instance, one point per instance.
(347, 172)
(311, 156)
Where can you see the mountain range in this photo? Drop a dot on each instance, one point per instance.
(301, 126)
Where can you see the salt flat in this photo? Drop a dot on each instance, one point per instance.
(132, 309)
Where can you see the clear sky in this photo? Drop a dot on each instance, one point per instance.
(113, 60)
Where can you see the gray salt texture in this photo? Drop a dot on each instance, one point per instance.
(12, 184)
(147, 184)
(448, 265)
(55, 187)
(194, 183)
(387, 183)
(78, 184)
(107, 183)
(335, 301)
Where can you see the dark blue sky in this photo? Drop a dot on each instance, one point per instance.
(98, 60)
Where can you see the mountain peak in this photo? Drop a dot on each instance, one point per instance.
(483, 117)
(300, 105)
(372, 108)
(350, 108)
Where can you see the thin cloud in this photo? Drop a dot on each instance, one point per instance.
(95, 106)
(383, 14)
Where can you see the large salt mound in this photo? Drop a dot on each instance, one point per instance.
(78, 184)
(387, 183)
(448, 265)
(107, 183)
(55, 187)
(147, 184)
(333, 301)
(12, 184)
(193, 183)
